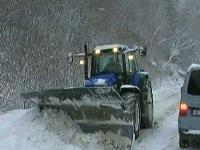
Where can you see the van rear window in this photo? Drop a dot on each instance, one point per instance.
(194, 83)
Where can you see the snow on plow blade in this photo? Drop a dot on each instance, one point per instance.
(93, 109)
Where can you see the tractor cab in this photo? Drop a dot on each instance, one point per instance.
(107, 61)
(112, 65)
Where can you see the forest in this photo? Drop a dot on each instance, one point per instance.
(36, 37)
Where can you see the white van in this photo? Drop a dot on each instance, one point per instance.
(189, 110)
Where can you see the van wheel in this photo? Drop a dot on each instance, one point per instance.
(183, 143)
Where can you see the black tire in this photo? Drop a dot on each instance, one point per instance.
(136, 111)
(148, 108)
(137, 118)
(183, 143)
(129, 133)
(148, 121)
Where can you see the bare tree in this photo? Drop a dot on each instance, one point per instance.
(180, 44)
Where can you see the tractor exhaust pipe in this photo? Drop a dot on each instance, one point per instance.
(86, 61)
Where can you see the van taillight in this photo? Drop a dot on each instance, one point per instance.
(183, 109)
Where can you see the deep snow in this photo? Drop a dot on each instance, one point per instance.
(53, 130)
(50, 130)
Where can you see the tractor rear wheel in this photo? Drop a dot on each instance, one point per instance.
(148, 107)
(137, 117)
(131, 98)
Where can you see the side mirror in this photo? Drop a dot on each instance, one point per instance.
(141, 70)
(143, 51)
(70, 58)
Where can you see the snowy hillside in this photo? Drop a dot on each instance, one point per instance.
(36, 38)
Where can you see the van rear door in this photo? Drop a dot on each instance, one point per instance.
(192, 99)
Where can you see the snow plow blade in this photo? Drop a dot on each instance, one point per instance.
(93, 109)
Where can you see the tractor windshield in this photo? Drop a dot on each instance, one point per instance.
(107, 62)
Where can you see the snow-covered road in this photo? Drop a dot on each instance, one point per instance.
(28, 129)
(164, 134)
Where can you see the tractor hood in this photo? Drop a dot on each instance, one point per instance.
(108, 79)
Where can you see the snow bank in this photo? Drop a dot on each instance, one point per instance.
(51, 130)
(167, 75)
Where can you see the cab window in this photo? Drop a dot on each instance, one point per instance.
(107, 62)
(130, 63)
(194, 83)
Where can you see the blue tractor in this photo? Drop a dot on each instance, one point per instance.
(117, 94)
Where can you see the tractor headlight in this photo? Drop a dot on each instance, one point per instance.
(130, 57)
(115, 50)
(82, 62)
(97, 51)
